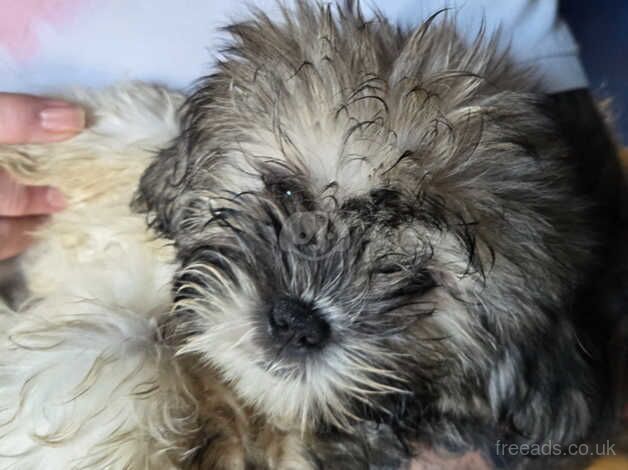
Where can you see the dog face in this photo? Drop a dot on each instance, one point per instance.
(370, 222)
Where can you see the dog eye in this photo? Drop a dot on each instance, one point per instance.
(389, 269)
(283, 189)
(384, 196)
(288, 192)
(396, 282)
(416, 280)
(423, 281)
(414, 284)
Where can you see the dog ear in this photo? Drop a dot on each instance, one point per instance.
(546, 391)
(166, 186)
(161, 187)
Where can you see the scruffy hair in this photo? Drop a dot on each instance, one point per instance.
(365, 245)
(412, 191)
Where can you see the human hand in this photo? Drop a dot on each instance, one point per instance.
(26, 119)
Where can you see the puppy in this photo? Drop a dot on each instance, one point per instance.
(361, 242)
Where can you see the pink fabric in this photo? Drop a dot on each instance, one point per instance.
(19, 20)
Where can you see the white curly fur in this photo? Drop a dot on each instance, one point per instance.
(84, 381)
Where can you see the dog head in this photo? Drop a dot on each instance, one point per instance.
(368, 219)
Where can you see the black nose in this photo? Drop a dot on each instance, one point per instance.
(298, 326)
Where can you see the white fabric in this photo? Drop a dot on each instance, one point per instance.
(531, 29)
(50, 44)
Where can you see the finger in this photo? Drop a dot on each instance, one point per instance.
(18, 200)
(15, 234)
(29, 119)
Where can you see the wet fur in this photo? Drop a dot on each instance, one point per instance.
(451, 301)
(451, 242)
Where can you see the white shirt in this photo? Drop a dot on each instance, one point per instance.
(46, 45)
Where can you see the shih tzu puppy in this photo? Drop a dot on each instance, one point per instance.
(361, 242)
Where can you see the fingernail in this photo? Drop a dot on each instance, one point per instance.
(67, 118)
(55, 199)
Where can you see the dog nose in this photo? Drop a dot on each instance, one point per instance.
(298, 326)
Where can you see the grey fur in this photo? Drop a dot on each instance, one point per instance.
(449, 240)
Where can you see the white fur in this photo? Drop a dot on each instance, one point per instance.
(84, 380)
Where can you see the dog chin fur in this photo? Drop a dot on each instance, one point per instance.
(143, 346)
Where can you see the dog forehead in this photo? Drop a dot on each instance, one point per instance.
(324, 137)
(329, 130)
(317, 150)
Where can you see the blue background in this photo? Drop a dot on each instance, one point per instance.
(601, 29)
